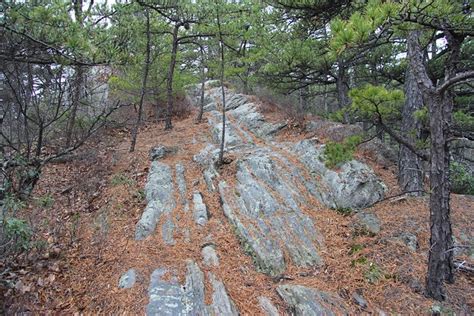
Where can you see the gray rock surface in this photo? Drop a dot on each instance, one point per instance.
(267, 306)
(159, 193)
(334, 131)
(209, 256)
(247, 115)
(165, 297)
(263, 208)
(181, 182)
(200, 209)
(308, 301)
(380, 152)
(232, 137)
(207, 158)
(159, 152)
(167, 231)
(359, 300)
(168, 297)
(409, 239)
(366, 223)
(128, 279)
(194, 290)
(354, 186)
(221, 301)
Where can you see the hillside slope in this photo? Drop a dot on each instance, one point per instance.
(273, 231)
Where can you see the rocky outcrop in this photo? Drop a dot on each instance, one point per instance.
(160, 152)
(159, 192)
(168, 297)
(264, 203)
(366, 224)
(353, 186)
(333, 131)
(381, 153)
(263, 207)
(200, 209)
(267, 306)
(181, 182)
(308, 301)
(221, 302)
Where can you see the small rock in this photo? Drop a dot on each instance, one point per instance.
(408, 239)
(209, 256)
(161, 151)
(359, 300)
(380, 152)
(366, 224)
(128, 279)
(200, 209)
(187, 235)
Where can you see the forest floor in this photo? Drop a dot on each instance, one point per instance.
(86, 238)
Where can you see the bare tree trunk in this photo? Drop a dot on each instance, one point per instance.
(78, 82)
(342, 85)
(76, 99)
(410, 175)
(440, 262)
(169, 82)
(304, 92)
(221, 45)
(144, 83)
(440, 104)
(203, 84)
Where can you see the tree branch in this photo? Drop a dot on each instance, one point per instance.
(458, 79)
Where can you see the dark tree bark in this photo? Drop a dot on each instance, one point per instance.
(221, 45)
(410, 175)
(342, 85)
(144, 83)
(440, 105)
(169, 81)
(76, 99)
(78, 81)
(203, 84)
(304, 93)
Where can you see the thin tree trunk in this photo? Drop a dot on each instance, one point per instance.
(410, 175)
(441, 257)
(440, 262)
(76, 99)
(203, 84)
(342, 85)
(144, 83)
(440, 105)
(78, 82)
(221, 44)
(169, 83)
(39, 144)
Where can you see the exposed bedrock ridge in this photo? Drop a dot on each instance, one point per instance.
(168, 297)
(159, 193)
